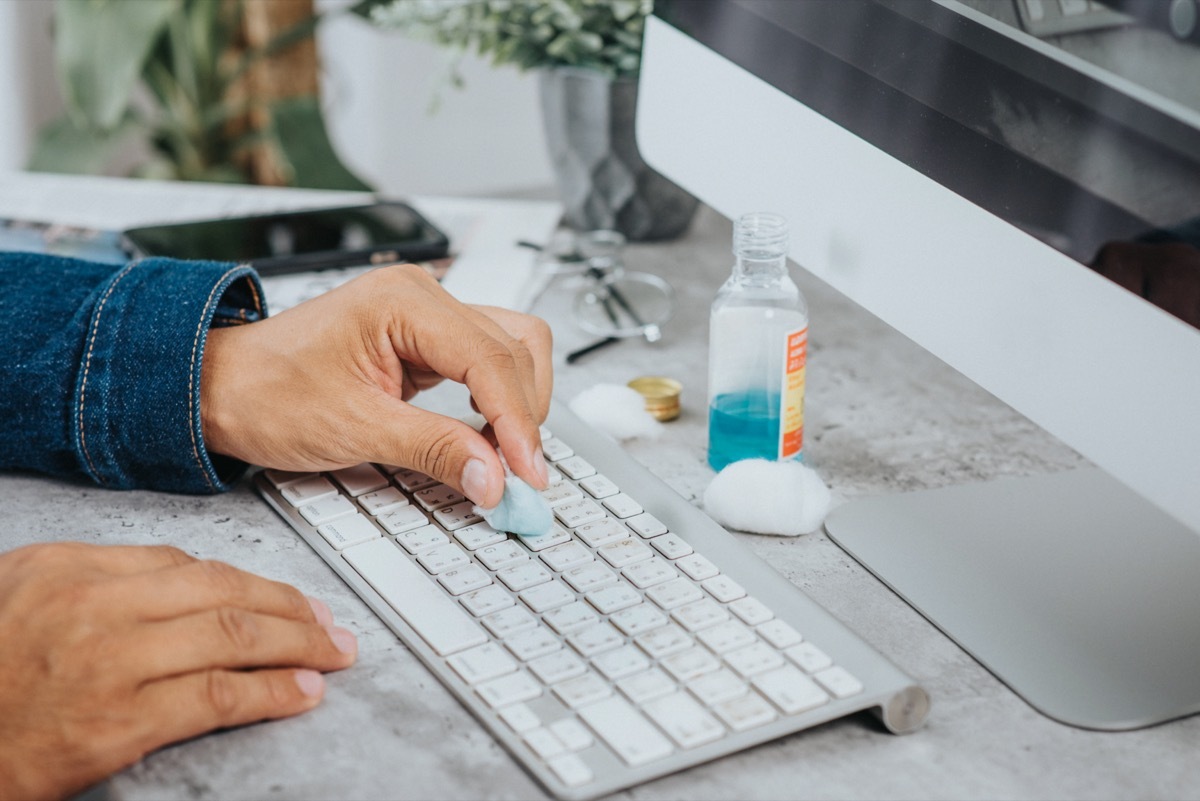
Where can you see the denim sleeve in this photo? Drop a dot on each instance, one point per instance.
(101, 367)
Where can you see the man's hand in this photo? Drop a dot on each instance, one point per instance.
(325, 385)
(110, 652)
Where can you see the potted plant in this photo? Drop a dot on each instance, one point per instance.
(587, 54)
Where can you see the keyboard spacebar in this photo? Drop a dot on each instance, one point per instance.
(408, 590)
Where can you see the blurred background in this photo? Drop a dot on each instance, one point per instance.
(378, 89)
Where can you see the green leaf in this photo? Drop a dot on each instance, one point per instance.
(303, 142)
(64, 146)
(100, 47)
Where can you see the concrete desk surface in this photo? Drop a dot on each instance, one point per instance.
(883, 416)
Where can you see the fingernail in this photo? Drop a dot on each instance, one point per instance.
(345, 641)
(474, 480)
(321, 611)
(310, 682)
(539, 465)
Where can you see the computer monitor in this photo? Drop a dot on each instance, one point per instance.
(961, 178)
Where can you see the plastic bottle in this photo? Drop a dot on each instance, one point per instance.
(757, 349)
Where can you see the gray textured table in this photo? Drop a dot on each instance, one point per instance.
(882, 416)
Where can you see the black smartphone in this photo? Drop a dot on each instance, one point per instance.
(296, 241)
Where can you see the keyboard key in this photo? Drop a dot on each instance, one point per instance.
(646, 525)
(457, 516)
(482, 663)
(402, 519)
(672, 546)
(554, 449)
(326, 509)
(478, 536)
(411, 480)
(502, 554)
(689, 664)
(624, 552)
(751, 611)
(779, 634)
(675, 593)
(508, 622)
(648, 684)
(556, 536)
(558, 666)
(443, 558)
(745, 712)
(307, 490)
(574, 735)
(585, 689)
(700, 615)
(560, 493)
(839, 682)
(612, 599)
(638, 619)
(374, 503)
(595, 639)
(697, 567)
(649, 573)
(684, 720)
(624, 661)
(437, 496)
(601, 532)
(575, 468)
(754, 659)
(359, 480)
(809, 657)
(545, 597)
(790, 690)
(714, 688)
(438, 620)
(421, 539)
(520, 718)
(533, 643)
(511, 689)
(523, 575)
(571, 617)
(570, 770)
(544, 743)
(280, 477)
(464, 579)
(599, 486)
(347, 531)
(544, 433)
(669, 639)
(576, 513)
(565, 556)
(727, 636)
(723, 588)
(626, 731)
(487, 600)
(622, 506)
(588, 577)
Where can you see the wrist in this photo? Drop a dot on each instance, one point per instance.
(218, 421)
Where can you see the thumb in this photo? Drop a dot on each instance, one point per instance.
(442, 448)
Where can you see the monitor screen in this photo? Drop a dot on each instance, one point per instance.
(1087, 138)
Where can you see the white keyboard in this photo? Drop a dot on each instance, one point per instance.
(637, 639)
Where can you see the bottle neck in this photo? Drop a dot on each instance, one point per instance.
(759, 268)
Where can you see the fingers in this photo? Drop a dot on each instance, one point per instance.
(201, 585)
(181, 707)
(228, 637)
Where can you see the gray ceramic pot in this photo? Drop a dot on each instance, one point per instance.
(602, 180)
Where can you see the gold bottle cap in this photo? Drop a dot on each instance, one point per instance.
(661, 394)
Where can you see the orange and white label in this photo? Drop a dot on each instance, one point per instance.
(791, 415)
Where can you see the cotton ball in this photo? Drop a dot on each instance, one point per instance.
(617, 410)
(766, 497)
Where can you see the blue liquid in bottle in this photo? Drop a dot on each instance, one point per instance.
(743, 425)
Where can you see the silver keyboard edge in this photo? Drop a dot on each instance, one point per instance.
(896, 695)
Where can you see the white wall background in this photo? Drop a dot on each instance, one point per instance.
(378, 86)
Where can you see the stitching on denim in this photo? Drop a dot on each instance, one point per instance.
(192, 422)
(87, 365)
